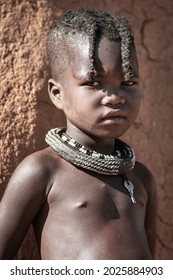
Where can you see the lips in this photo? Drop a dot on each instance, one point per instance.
(115, 114)
(114, 117)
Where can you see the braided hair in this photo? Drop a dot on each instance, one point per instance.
(94, 24)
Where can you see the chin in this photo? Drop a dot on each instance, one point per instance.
(112, 133)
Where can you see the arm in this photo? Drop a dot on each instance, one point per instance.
(148, 182)
(151, 211)
(21, 202)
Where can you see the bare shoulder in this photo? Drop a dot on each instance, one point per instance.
(39, 163)
(146, 178)
(34, 173)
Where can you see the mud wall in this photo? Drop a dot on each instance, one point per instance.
(27, 114)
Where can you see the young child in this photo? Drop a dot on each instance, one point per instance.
(85, 195)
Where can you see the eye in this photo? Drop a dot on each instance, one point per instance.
(93, 84)
(128, 83)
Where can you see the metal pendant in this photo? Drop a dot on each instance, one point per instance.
(129, 186)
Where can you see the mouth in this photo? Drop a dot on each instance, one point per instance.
(115, 116)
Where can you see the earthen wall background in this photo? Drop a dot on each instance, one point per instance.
(26, 112)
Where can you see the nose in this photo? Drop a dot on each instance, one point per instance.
(113, 99)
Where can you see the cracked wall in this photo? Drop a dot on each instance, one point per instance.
(27, 113)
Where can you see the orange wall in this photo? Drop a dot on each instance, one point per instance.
(27, 114)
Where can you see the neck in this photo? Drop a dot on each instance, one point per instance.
(104, 146)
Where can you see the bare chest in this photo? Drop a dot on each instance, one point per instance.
(105, 197)
(92, 213)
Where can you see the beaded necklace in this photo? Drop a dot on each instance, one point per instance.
(119, 163)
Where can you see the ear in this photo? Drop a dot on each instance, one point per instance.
(55, 93)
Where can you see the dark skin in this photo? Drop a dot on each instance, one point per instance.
(79, 214)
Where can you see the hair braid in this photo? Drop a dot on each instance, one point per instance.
(92, 42)
(125, 33)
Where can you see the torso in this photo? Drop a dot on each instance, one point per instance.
(91, 216)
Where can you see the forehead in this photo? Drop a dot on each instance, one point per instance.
(78, 53)
(107, 56)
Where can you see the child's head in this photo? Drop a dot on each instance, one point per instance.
(94, 25)
(95, 72)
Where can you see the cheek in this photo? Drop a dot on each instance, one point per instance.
(86, 102)
(136, 99)
(137, 103)
(134, 104)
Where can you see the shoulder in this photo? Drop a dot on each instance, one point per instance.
(36, 164)
(146, 179)
(143, 172)
(35, 173)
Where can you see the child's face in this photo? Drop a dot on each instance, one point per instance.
(106, 106)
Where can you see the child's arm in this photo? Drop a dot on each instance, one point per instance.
(22, 200)
(150, 218)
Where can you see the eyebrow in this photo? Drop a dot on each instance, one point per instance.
(82, 77)
(136, 74)
(86, 76)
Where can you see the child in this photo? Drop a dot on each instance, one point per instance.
(85, 195)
